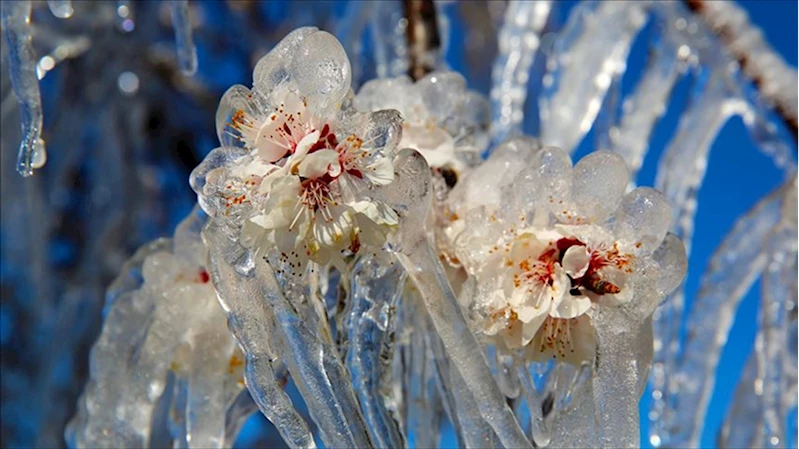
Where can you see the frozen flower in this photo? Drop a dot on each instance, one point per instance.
(558, 243)
(298, 165)
(444, 121)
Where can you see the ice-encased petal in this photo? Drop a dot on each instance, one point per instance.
(598, 183)
(321, 69)
(273, 68)
(644, 216)
(671, 258)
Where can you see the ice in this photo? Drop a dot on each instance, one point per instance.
(647, 103)
(617, 383)
(779, 289)
(417, 255)
(519, 39)
(184, 39)
(587, 56)
(22, 67)
(643, 216)
(377, 284)
(733, 268)
(598, 183)
(265, 323)
(141, 344)
(61, 8)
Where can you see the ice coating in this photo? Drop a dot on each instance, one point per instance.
(547, 259)
(174, 288)
(568, 267)
(22, 65)
(575, 86)
(519, 40)
(297, 164)
(442, 120)
(184, 41)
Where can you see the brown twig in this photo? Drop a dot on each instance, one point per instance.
(729, 33)
(423, 38)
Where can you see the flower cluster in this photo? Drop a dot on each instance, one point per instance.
(558, 243)
(298, 164)
(443, 120)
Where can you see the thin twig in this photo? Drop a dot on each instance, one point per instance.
(424, 41)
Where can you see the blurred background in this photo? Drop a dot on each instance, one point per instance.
(124, 128)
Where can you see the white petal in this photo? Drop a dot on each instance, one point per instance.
(575, 261)
(316, 165)
(335, 233)
(304, 145)
(270, 144)
(381, 172)
(377, 211)
(571, 306)
(258, 167)
(529, 329)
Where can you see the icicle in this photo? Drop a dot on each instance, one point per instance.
(519, 39)
(257, 308)
(588, 54)
(387, 27)
(616, 382)
(207, 402)
(376, 285)
(22, 68)
(733, 268)
(411, 194)
(540, 431)
(647, 104)
(475, 432)
(779, 286)
(61, 8)
(181, 21)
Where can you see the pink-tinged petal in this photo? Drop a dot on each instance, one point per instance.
(270, 143)
(571, 307)
(575, 261)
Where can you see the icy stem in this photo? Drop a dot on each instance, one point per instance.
(616, 380)
(411, 198)
(376, 285)
(588, 54)
(680, 175)
(16, 27)
(266, 325)
(184, 41)
(647, 104)
(779, 288)
(519, 39)
(733, 268)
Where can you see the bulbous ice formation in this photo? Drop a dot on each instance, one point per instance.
(297, 161)
(442, 120)
(164, 329)
(551, 244)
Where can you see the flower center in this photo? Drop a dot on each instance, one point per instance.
(316, 195)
